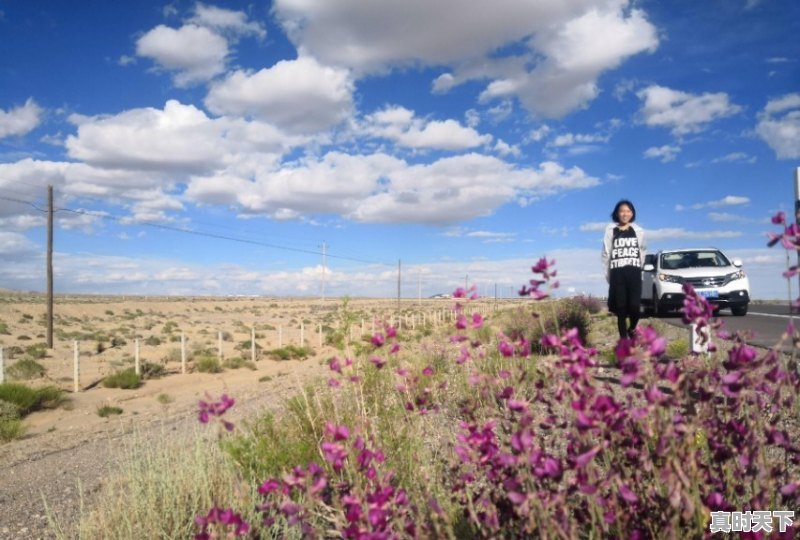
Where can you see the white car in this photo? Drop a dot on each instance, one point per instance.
(708, 270)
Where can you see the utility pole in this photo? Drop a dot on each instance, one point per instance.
(324, 250)
(50, 267)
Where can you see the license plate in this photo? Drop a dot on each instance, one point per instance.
(709, 294)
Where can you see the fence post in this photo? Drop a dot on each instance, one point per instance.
(137, 368)
(219, 344)
(302, 333)
(280, 336)
(183, 353)
(320, 335)
(362, 326)
(2, 367)
(76, 370)
(253, 343)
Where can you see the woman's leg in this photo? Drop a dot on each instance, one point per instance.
(618, 297)
(634, 298)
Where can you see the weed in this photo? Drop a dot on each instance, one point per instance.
(165, 399)
(26, 369)
(678, 348)
(291, 352)
(10, 429)
(238, 362)
(4, 328)
(152, 341)
(151, 370)
(108, 410)
(29, 399)
(126, 379)
(208, 364)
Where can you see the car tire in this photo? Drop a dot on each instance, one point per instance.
(739, 311)
(657, 310)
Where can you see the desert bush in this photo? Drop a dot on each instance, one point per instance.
(8, 410)
(208, 364)
(4, 328)
(26, 369)
(237, 362)
(678, 348)
(152, 341)
(23, 337)
(29, 399)
(291, 352)
(126, 379)
(36, 351)
(591, 304)
(152, 370)
(10, 429)
(108, 410)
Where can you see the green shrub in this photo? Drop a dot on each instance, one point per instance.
(291, 352)
(678, 348)
(8, 410)
(29, 399)
(108, 410)
(26, 369)
(4, 328)
(165, 399)
(23, 337)
(10, 429)
(37, 351)
(207, 364)
(238, 362)
(151, 370)
(126, 379)
(152, 341)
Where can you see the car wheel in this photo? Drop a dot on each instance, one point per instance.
(739, 311)
(657, 310)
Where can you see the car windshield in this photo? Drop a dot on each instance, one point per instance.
(676, 260)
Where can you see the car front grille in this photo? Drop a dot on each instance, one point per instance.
(706, 282)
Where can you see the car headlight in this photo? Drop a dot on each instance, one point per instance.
(736, 275)
(670, 278)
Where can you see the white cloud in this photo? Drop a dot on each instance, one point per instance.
(735, 157)
(681, 112)
(538, 134)
(13, 244)
(665, 153)
(683, 234)
(194, 53)
(178, 139)
(566, 45)
(570, 139)
(20, 120)
(728, 217)
(505, 149)
(380, 188)
(299, 96)
(226, 21)
(400, 125)
(779, 126)
(594, 226)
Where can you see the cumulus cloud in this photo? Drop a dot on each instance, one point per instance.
(565, 46)
(379, 188)
(226, 21)
(178, 139)
(20, 120)
(779, 126)
(401, 126)
(683, 234)
(728, 200)
(299, 96)
(193, 53)
(681, 112)
(665, 153)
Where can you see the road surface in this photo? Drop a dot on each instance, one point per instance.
(764, 324)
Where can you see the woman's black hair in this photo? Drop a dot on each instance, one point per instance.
(629, 204)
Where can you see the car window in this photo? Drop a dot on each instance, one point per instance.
(677, 260)
(650, 259)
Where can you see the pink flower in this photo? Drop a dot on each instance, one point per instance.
(428, 371)
(378, 361)
(477, 320)
(391, 332)
(461, 322)
(779, 218)
(378, 340)
(505, 348)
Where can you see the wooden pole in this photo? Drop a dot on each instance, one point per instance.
(76, 367)
(136, 365)
(183, 353)
(50, 267)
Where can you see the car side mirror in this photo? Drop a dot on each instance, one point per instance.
(737, 263)
(650, 268)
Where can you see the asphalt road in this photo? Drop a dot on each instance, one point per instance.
(763, 325)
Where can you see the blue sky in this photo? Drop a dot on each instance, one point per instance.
(220, 148)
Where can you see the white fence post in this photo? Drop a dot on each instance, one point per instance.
(302, 334)
(280, 336)
(183, 353)
(362, 326)
(76, 371)
(253, 343)
(320, 335)
(2, 367)
(137, 368)
(219, 344)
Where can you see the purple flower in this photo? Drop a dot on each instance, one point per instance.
(207, 410)
(477, 320)
(505, 348)
(378, 340)
(377, 361)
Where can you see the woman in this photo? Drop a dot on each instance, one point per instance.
(623, 259)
